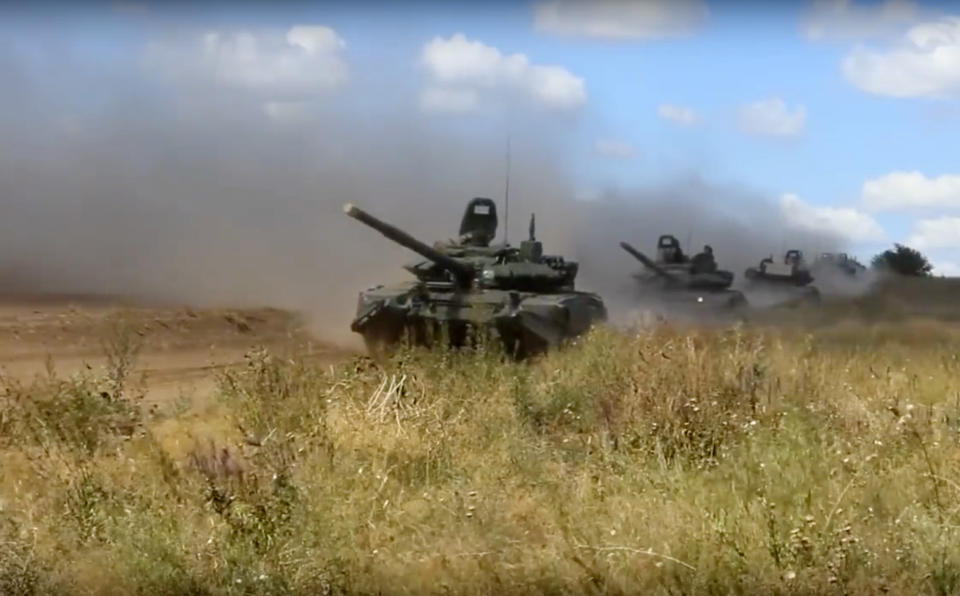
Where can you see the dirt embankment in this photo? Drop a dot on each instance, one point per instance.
(180, 348)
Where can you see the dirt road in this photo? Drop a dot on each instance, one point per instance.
(180, 347)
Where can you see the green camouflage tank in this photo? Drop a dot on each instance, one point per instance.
(519, 295)
(676, 280)
(784, 283)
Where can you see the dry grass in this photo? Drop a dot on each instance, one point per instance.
(662, 462)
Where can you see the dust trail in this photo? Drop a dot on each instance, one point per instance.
(171, 191)
(120, 181)
(741, 225)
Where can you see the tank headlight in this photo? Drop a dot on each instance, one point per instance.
(488, 274)
(699, 298)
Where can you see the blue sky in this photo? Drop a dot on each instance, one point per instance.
(812, 100)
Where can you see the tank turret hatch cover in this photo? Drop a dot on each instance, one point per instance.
(479, 223)
(668, 250)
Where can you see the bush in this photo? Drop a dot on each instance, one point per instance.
(87, 412)
(903, 260)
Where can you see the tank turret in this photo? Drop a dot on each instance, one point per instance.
(680, 275)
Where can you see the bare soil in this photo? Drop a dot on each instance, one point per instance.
(181, 348)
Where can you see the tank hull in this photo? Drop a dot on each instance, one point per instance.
(692, 293)
(799, 279)
(694, 306)
(714, 300)
(525, 323)
(772, 293)
(790, 288)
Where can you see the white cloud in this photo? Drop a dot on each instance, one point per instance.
(442, 99)
(620, 19)
(842, 222)
(461, 68)
(942, 232)
(304, 61)
(843, 19)
(925, 63)
(910, 190)
(946, 268)
(614, 149)
(772, 117)
(678, 114)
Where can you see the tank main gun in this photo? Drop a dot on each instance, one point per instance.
(462, 271)
(649, 264)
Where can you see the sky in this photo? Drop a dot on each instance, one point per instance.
(843, 114)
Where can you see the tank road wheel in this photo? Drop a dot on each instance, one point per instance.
(524, 345)
(377, 348)
(514, 343)
(738, 307)
(738, 302)
(380, 342)
(460, 335)
(509, 342)
(419, 333)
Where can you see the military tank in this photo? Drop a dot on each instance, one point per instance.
(466, 288)
(839, 262)
(676, 280)
(786, 283)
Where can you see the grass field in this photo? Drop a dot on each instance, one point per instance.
(666, 461)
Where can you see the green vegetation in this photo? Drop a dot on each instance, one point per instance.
(903, 260)
(659, 462)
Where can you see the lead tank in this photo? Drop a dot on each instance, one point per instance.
(676, 280)
(520, 296)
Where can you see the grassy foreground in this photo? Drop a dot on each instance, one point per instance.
(657, 462)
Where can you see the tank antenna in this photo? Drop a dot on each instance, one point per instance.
(506, 199)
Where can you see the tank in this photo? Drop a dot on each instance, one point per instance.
(467, 287)
(676, 280)
(838, 262)
(785, 283)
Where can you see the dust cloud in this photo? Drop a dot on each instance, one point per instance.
(183, 195)
(741, 225)
(206, 200)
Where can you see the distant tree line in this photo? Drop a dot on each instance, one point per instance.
(903, 260)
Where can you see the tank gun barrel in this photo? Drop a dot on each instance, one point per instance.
(645, 260)
(462, 271)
